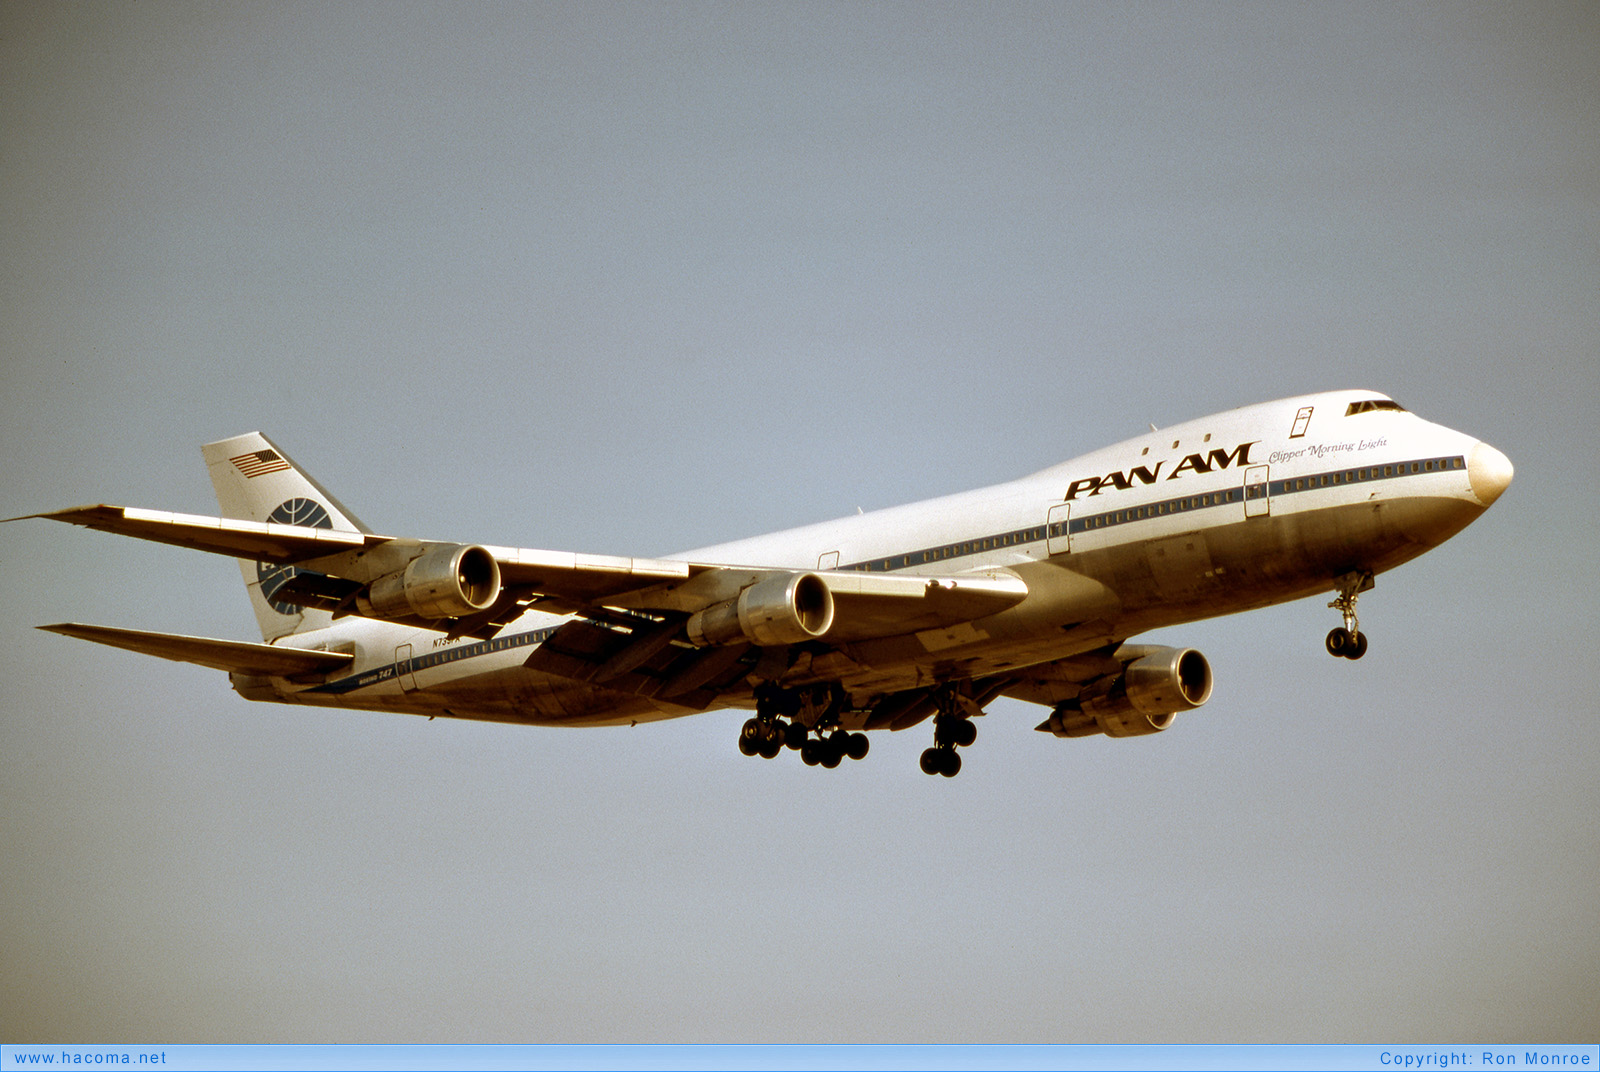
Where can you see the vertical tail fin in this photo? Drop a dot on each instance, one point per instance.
(256, 481)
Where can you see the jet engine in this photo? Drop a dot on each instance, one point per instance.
(784, 609)
(1145, 698)
(447, 582)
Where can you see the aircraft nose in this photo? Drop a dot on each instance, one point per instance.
(1489, 471)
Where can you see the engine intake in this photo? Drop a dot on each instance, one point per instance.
(1145, 698)
(447, 582)
(784, 609)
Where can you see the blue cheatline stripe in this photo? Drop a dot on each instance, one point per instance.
(452, 654)
(1146, 511)
(978, 546)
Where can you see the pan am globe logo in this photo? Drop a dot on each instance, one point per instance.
(304, 512)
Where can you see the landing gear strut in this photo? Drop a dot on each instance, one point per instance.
(1348, 641)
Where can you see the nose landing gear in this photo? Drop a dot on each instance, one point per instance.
(1348, 641)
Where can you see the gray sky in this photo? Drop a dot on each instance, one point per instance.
(637, 278)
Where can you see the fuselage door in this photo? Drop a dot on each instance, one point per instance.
(403, 668)
(828, 560)
(1257, 492)
(1058, 529)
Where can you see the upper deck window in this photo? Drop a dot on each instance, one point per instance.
(1372, 405)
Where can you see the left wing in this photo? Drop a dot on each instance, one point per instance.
(472, 589)
(262, 541)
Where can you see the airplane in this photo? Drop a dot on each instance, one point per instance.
(1032, 589)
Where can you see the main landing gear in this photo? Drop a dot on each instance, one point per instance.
(788, 718)
(781, 722)
(952, 728)
(1348, 641)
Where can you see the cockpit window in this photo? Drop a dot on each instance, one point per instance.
(1371, 405)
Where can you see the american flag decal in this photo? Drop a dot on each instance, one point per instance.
(260, 461)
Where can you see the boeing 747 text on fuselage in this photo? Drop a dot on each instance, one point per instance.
(1030, 589)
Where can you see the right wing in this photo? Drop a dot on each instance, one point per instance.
(266, 660)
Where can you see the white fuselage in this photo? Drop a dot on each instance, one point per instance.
(1243, 509)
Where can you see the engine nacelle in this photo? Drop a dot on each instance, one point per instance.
(785, 609)
(447, 582)
(1145, 698)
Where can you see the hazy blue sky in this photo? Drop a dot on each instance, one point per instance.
(637, 278)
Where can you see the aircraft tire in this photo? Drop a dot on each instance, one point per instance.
(1339, 642)
(1357, 648)
(930, 761)
(950, 766)
(857, 745)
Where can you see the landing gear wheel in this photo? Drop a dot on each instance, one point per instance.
(811, 753)
(794, 735)
(963, 732)
(930, 761)
(951, 764)
(1344, 644)
(746, 745)
(856, 746)
(1349, 642)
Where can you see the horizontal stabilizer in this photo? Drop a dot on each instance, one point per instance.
(261, 659)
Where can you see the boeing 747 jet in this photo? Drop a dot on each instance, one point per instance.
(1032, 589)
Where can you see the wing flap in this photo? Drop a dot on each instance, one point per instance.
(585, 579)
(262, 659)
(869, 605)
